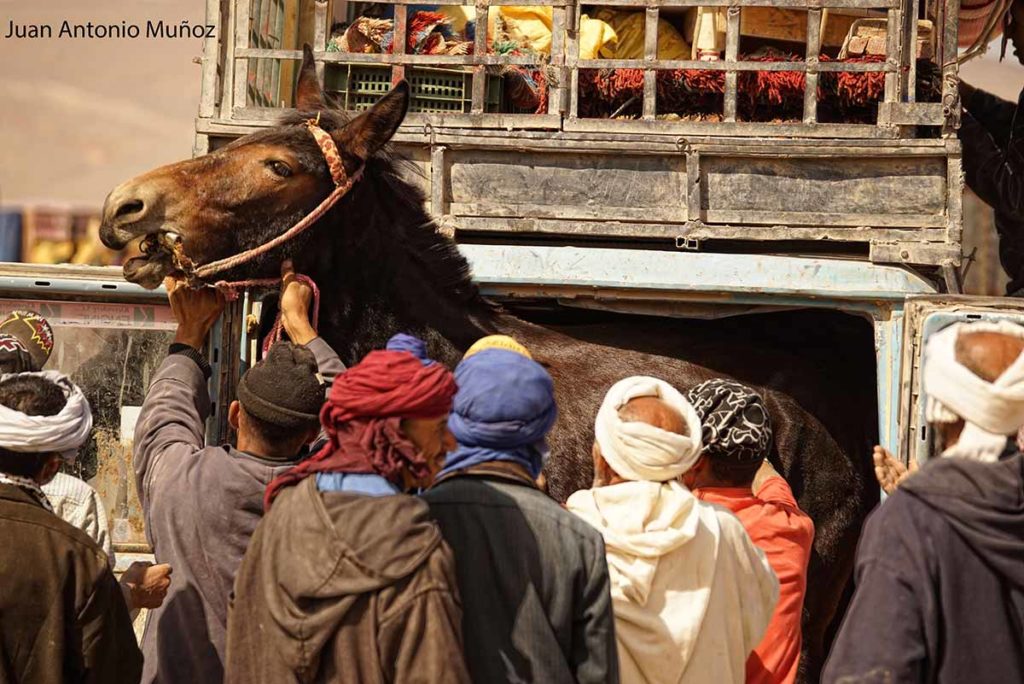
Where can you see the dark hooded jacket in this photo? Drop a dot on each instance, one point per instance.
(992, 134)
(940, 581)
(343, 587)
(62, 616)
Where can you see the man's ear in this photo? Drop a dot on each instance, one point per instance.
(49, 469)
(233, 411)
(367, 133)
(308, 94)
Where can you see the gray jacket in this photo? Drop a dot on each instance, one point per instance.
(201, 506)
(536, 599)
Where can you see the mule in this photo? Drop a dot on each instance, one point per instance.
(382, 267)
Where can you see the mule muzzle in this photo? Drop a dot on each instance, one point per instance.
(130, 211)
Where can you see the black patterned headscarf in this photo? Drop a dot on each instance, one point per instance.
(736, 427)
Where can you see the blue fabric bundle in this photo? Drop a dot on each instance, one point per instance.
(503, 410)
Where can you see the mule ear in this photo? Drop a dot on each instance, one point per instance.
(372, 129)
(308, 94)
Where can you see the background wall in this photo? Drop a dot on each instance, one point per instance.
(77, 117)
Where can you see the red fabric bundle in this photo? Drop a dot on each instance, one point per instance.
(362, 415)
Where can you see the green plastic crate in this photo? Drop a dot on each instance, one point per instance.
(433, 91)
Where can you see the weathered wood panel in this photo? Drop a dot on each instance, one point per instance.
(580, 186)
(890, 192)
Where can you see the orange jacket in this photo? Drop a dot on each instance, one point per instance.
(778, 527)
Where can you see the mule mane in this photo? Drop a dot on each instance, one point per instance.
(384, 248)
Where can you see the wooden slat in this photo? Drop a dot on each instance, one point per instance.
(210, 51)
(426, 60)
(650, 104)
(849, 67)
(739, 128)
(552, 211)
(771, 218)
(693, 200)
(892, 46)
(955, 208)
(400, 41)
(811, 55)
(950, 80)
(438, 183)
(240, 82)
(792, 4)
(732, 48)
(702, 231)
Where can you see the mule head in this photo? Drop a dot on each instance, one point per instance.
(247, 192)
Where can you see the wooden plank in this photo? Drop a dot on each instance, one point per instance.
(914, 252)
(698, 230)
(779, 23)
(791, 4)
(732, 48)
(812, 53)
(541, 211)
(400, 41)
(693, 186)
(795, 218)
(374, 58)
(557, 92)
(239, 83)
(955, 209)
(950, 79)
(211, 46)
(201, 145)
(911, 113)
(892, 48)
(848, 67)
(289, 39)
(739, 128)
(480, 49)
(438, 175)
(650, 104)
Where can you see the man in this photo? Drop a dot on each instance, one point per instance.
(62, 618)
(26, 348)
(26, 340)
(347, 578)
(992, 134)
(733, 471)
(532, 576)
(940, 570)
(202, 503)
(691, 592)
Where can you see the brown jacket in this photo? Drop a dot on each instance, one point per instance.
(343, 587)
(62, 615)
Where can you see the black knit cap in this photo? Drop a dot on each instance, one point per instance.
(284, 388)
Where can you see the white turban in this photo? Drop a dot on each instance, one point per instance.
(638, 451)
(991, 410)
(63, 433)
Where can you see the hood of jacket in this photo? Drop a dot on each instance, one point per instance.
(321, 552)
(983, 503)
(641, 522)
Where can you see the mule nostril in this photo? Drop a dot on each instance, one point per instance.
(130, 207)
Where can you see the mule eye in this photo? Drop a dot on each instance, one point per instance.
(280, 168)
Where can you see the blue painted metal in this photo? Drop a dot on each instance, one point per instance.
(57, 284)
(889, 360)
(694, 276)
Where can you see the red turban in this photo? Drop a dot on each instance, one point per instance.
(362, 415)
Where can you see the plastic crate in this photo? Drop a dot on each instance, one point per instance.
(433, 91)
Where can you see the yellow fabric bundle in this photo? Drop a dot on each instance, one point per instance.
(530, 26)
(629, 29)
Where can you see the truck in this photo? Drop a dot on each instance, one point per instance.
(616, 189)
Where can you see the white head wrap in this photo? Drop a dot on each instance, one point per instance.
(991, 411)
(638, 451)
(63, 433)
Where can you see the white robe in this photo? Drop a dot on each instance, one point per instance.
(692, 594)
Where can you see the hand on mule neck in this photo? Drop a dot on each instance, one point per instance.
(296, 297)
(195, 310)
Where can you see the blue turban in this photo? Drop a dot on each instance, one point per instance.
(503, 409)
(411, 344)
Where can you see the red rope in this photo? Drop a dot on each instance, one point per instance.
(231, 291)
